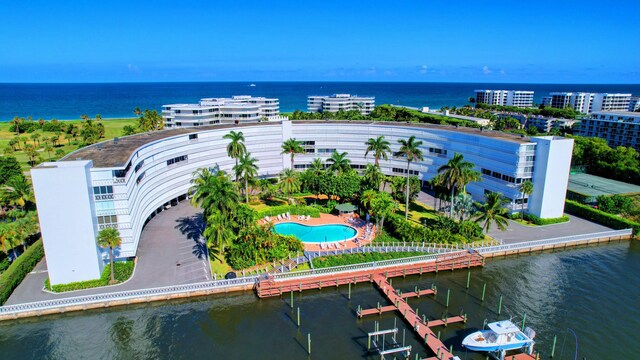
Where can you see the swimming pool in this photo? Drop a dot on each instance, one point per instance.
(316, 234)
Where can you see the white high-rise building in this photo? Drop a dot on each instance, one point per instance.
(337, 102)
(634, 104)
(519, 98)
(619, 128)
(587, 103)
(212, 111)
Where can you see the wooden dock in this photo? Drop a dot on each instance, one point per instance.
(422, 329)
(270, 286)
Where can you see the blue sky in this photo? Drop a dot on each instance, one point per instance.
(270, 40)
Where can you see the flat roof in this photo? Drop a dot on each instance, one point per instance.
(592, 185)
(109, 153)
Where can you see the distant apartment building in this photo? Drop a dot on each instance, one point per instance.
(212, 111)
(337, 102)
(587, 103)
(546, 124)
(634, 104)
(619, 128)
(519, 98)
(546, 101)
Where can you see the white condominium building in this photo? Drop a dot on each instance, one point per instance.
(519, 98)
(211, 111)
(619, 128)
(587, 103)
(337, 102)
(125, 183)
(634, 103)
(546, 101)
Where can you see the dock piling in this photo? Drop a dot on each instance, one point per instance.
(524, 318)
(553, 348)
(500, 305)
(349, 295)
(298, 316)
(468, 278)
(291, 303)
(448, 294)
(309, 343)
(484, 288)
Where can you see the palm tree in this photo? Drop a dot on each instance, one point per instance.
(373, 176)
(526, 188)
(218, 234)
(18, 190)
(380, 147)
(339, 162)
(289, 181)
(236, 147)
(493, 211)
(35, 137)
(213, 192)
(246, 168)
(464, 205)
(110, 238)
(16, 123)
(48, 148)
(409, 149)
(7, 240)
(457, 173)
(292, 147)
(317, 167)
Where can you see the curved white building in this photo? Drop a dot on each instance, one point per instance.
(125, 182)
(211, 111)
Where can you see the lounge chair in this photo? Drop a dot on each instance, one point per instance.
(288, 216)
(279, 217)
(308, 218)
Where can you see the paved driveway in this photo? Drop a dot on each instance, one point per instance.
(518, 233)
(169, 253)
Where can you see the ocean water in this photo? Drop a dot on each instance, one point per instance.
(69, 101)
(592, 291)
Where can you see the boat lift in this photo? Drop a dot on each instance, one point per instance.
(395, 348)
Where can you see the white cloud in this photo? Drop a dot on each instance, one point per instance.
(502, 72)
(486, 70)
(423, 69)
(133, 68)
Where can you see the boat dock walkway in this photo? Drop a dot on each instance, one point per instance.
(422, 329)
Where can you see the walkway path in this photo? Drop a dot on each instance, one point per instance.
(518, 233)
(168, 254)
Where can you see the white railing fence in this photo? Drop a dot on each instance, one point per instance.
(251, 280)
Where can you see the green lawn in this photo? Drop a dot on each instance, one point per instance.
(122, 272)
(266, 204)
(418, 211)
(348, 259)
(113, 128)
(219, 267)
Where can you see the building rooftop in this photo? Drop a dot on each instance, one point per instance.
(592, 185)
(116, 153)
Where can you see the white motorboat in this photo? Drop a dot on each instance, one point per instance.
(501, 336)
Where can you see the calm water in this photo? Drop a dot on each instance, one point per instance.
(593, 291)
(69, 101)
(316, 234)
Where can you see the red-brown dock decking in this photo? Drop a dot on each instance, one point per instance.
(459, 260)
(422, 329)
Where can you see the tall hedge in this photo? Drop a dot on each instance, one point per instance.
(293, 209)
(18, 270)
(601, 217)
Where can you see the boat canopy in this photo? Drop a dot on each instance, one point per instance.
(503, 327)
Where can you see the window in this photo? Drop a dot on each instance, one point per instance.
(326, 151)
(122, 173)
(193, 136)
(140, 178)
(103, 192)
(108, 221)
(438, 151)
(176, 160)
(138, 166)
(404, 171)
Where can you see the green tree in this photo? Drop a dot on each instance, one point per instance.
(493, 211)
(292, 147)
(526, 189)
(457, 173)
(236, 147)
(60, 153)
(110, 238)
(339, 162)
(16, 122)
(9, 167)
(317, 167)
(247, 169)
(213, 192)
(48, 148)
(410, 150)
(379, 147)
(218, 233)
(399, 190)
(289, 182)
(18, 190)
(382, 206)
(372, 177)
(149, 120)
(7, 237)
(36, 138)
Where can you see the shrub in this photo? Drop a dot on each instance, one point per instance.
(600, 216)
(122, 271)
(313, 211)
(470, 229)
(548, 221)
(348, 259)
(616, 204)
(16, 272)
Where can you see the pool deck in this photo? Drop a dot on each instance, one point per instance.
(327, 219)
